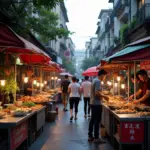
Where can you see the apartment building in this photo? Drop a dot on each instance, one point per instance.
(60, 44)
(128, 21)
(103, 34)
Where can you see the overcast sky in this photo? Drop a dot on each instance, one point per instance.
(83, 18)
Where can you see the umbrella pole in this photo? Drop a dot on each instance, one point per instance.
(113, 84)
(40, 79)
(128, 82)
(134, 80)
(15, 75)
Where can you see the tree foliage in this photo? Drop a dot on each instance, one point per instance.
(69, 65)
(45, 24)
(89, 62)
(37, 16)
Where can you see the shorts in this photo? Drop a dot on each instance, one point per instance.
(65, 97)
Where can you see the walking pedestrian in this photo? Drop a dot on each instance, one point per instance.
(86, 90)
(96, 108)
(64, 89)
(74, 90)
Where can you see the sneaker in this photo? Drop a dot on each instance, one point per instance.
(71, 118)
(90, 139)
(99, 141)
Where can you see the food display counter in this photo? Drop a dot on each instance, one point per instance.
(126, 124)
(15, 130)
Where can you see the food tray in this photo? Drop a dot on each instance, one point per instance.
(143, 108)
(114, 107)
(19, 114)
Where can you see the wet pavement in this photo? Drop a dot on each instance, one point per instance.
(63, 135)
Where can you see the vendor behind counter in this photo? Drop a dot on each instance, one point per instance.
(144, 90)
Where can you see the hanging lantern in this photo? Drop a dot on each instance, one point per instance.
(42, 84)
(3, 82)
(37, 84)
(26, 79)
(34, 82)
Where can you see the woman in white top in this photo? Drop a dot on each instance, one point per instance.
(74, 90)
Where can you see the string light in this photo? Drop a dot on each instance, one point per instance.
(45, 82)
(123, 86)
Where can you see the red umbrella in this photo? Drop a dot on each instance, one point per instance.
(90, 71)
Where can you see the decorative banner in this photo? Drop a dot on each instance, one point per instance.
(145, 65)
(19, 134)
(132, 132)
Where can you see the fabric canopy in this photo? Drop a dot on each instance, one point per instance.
(10, 42)
(114, 67)
(90, 72)
(139, 52)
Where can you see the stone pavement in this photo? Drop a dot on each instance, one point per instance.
(63, 135)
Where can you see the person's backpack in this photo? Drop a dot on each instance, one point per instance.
(65, 85)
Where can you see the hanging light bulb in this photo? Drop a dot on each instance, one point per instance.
(42, 84)
(37, 84)
(55, 78)
(118, 78)
(3, 82)
(45, 82)
(26, 79)
(52, 78)
(102, 83)
(34, 82)
(116, 84)
(123, 86)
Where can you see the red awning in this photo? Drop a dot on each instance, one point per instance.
(10, 42)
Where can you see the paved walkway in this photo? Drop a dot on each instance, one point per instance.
(63, 135)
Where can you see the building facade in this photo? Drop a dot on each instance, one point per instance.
(60, 45)
(128, 21)
(79, 57)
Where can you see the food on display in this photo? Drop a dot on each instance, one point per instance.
(28, 104)
(125, 111)
(2, 114)
(19, 112)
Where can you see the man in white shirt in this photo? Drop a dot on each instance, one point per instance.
(86, 89)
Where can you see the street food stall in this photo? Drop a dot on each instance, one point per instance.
(126, 123)
(23, 118)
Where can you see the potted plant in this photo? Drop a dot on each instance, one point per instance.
(10, 87)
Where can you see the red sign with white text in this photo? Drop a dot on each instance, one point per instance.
(145, 65)
(19, 134)
(132, 132)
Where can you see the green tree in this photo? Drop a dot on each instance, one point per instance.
(89, 62)
(45, 25)
(69, 65)
(37, 16)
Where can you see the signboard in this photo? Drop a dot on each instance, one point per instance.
(145, 65)
(18, 135)
(132, 132)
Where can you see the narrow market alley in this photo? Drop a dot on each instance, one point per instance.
(64, 135)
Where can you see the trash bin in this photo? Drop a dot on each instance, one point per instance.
(51, 116)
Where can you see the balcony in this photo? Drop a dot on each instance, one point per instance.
(120, 7)
(141, 18)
